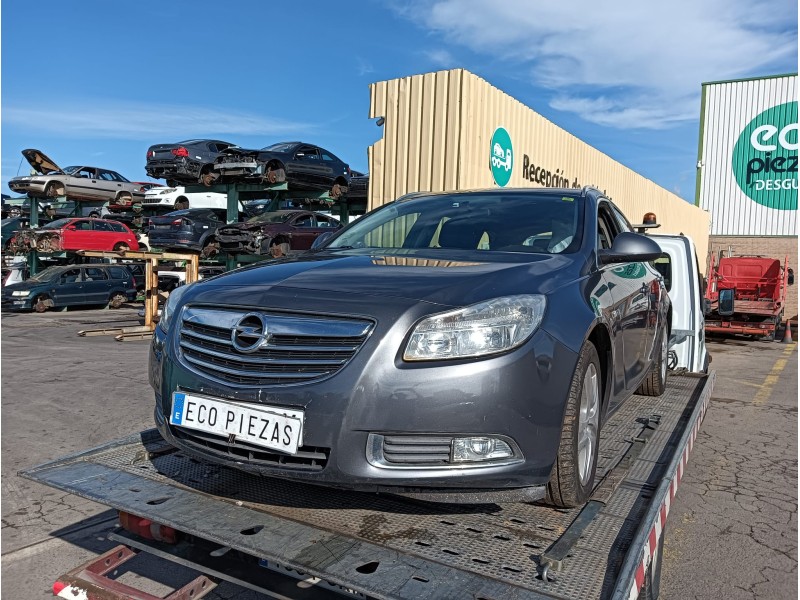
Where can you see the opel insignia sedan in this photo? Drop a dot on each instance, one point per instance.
(461, 347)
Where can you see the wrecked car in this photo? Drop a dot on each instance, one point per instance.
(296, 228)
(302, 166)
(86, 183)
(76, 234)
(189, 162)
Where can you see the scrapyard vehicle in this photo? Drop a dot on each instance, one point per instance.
(76, 234)
(747, 295)
(75, 182)
(298, 229)
(188, 162)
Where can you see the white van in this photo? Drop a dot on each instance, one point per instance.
(178, 198)
(684, 283)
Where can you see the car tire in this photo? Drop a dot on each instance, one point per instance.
(655, 382)
(572, 477)
(40, 303)
(136, 207)
(121, 247)
(210, 248)
(181, 203)
(117, 300)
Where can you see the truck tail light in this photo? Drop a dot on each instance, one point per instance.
(148, 529)
(180, 151)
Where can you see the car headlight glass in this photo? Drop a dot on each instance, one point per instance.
(21, 293)
(171, 305)
(478, 330)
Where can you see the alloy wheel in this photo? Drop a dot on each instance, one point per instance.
(588, 423)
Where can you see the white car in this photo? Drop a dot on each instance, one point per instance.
(178, 198)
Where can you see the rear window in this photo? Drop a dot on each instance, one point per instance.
(119, 273)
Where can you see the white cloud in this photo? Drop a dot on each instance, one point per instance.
(441, 58)
(143, 121)
(653, 56)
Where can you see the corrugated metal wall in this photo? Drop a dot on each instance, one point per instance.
(729, 110)
(437, 133)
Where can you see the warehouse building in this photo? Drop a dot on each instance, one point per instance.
(747, 168)
(452, 130)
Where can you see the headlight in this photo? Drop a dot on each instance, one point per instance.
(22, 293)
(171, 304)
(484, 328)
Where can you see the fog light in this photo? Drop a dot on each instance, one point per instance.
(475, 449)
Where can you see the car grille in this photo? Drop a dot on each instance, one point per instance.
(295, 349)
(416, 450)
(308, 458)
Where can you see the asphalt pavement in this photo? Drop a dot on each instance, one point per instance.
(732, 532)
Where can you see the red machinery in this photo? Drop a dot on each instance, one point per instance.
(746, 294)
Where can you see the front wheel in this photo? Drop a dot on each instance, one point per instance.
(40, 304)
(121, 247)
(572, 477)
(656, 381)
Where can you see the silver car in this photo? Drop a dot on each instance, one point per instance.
(48, 180)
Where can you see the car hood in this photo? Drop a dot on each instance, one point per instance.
(28, 284)
(458, 278)
(41, 163)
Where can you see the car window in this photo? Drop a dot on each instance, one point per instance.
(119, 227)
(70, 276)
(119, 273)
(326, 222)
(607, 226)
(622, 220)
(85, 173)
(103, 226)
(326, 156)
(307, 152)
(83, 225)
(95, 274)
(511, 222)
(664, 266)
(304, 221)
(57, 224)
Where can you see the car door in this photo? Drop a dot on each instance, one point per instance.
(83, 183)
(628, 284)
(78, 236)
(306, 168)
(68, 288)
(104, 236)
(304, 231)
(96, 285)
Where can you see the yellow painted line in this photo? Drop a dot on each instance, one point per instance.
(765, 390)
(789, 349)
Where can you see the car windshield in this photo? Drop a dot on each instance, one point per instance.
(57, 224)
(69, 170)
(48, 274)
(493, 222)
(280, 147)
(270, 217)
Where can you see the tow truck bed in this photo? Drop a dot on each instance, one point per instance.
(380, 546)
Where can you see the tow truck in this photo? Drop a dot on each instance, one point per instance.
(294, 540)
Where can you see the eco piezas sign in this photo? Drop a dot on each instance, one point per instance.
(765, 158)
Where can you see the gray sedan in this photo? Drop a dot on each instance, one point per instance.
(460, 347)
(84, 183)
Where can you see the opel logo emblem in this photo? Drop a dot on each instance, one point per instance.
(250, 333)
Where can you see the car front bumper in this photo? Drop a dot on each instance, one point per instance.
(518, 397)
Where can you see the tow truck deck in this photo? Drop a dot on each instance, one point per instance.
(381, 546)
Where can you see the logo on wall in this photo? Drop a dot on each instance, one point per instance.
(765, 158)
(502, 157)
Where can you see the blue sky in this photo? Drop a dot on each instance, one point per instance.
(97, 82)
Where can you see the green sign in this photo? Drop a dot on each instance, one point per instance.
(765, 158)
(502, 159)
(630, 271)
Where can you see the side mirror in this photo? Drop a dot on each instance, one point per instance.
(630, 247)
(790, 278)
(725, 307)
(321, 239)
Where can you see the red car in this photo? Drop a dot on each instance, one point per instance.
(77, 234)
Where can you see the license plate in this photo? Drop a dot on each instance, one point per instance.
(266, 426)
